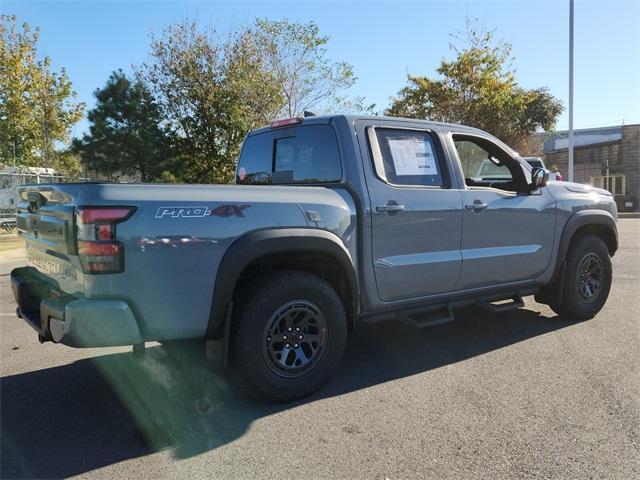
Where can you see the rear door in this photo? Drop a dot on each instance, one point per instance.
(416, 215)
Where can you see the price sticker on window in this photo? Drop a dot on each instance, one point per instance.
(413, 156)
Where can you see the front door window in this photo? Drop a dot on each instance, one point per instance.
(485, 165)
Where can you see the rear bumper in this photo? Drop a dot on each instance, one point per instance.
(71, 321)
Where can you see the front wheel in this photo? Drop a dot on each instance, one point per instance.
(587, 279)
(288, 335)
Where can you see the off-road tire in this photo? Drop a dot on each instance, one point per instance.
(255, 311)
(573, 304)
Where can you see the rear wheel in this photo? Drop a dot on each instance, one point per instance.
(587, 279)
(288, 335)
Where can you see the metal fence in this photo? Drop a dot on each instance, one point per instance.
(9, 183)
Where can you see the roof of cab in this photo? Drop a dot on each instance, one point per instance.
(326, 119)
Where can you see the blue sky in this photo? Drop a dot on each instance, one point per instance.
(383, 40)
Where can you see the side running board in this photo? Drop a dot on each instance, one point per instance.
(437, 315)
(492, 305)
(422, 319)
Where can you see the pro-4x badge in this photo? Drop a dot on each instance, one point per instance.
(230, 210)
(224, 210)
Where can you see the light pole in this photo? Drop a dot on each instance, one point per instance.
(570, 160)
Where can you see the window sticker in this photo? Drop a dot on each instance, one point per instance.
(413, 157)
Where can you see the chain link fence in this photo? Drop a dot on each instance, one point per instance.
(10, 180)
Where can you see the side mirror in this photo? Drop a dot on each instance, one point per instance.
(539, 177)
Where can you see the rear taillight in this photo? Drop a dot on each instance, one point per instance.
(98, 249)
(558, 177)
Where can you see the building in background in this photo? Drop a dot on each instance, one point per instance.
(606, 157)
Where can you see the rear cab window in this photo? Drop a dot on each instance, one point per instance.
(306, 154)
(406, 157)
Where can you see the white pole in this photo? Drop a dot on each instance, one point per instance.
(571, 90)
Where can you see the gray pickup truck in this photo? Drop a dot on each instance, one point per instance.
(334, 220)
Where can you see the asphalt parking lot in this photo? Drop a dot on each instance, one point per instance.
(525, 394)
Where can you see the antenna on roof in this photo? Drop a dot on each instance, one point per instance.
(307, 113)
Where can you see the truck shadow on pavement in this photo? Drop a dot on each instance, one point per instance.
(74, 418)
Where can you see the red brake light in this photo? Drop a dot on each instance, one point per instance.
(105, 231)
(104, 215)
(559, 177)
(98, 250)
(285, 122)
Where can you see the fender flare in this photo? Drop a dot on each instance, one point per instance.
(259, 243)
(601, 218)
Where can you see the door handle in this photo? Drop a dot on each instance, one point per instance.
(476, 206)
(390, 208)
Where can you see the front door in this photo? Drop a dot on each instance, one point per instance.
(416, 217)
(507, 230)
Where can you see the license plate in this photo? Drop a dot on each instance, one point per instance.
(51, 266)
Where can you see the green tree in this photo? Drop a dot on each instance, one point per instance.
(210, 92)
(125, 135)
(213, 90)
(478, 88)
(69, 164)
(296, 56)
(37, 105)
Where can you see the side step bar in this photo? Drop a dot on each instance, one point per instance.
(428, 318)
(491, 305)
(443, 313)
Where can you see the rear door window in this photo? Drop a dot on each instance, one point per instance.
(408, 158)
(305, 154)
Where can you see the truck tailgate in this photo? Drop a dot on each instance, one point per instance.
(46, 222)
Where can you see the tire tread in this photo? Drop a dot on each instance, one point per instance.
(250, 312)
